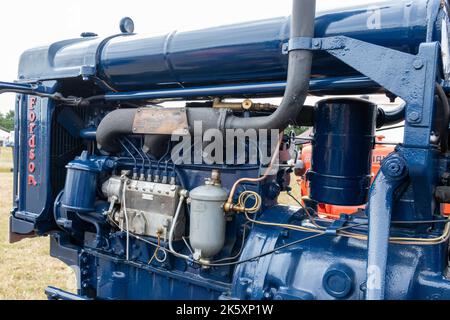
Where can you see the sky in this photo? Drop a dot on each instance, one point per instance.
(26, 24)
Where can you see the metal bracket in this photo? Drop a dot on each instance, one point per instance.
(410, 77)
(337, 224)
(315, 44)
(87, 71)
(25, 88)
(300, 43)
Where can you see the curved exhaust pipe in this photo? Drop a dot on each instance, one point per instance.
(120, 122)
(115, 124)
(299, 73)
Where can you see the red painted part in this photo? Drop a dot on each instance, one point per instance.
(445, 208)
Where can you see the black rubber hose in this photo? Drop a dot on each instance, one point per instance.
(306, 118)
(115, 124)
(96, 223)
(446, 117)
(391, 117)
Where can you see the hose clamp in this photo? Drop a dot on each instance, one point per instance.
(300, 43)
(306, 43)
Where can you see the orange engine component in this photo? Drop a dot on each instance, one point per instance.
(332, 211)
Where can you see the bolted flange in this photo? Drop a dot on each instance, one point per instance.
(394, 167)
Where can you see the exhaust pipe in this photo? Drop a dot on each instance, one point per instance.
(299, 73)
(120, 122)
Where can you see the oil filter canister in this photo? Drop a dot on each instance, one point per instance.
(344, 137)
(81, 184)
(207, 219)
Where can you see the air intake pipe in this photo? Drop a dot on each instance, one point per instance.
(120, 122)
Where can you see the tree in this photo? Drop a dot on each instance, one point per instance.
(298, 130)
(7, 120)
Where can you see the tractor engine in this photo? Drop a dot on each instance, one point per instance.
(155, 164)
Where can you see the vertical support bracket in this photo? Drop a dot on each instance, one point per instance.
(392, 175)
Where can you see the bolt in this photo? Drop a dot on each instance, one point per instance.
(394, 167)
(418, 64)
(110, 164)
(363, 286)
(284, 233)
(414, 116)
(247, 104)
(244, 282)
(316, 43)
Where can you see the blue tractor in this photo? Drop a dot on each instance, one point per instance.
(100, 169)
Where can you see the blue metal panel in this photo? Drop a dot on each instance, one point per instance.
(251, 52)
(32, 162)
(159, 284)
(243, 53)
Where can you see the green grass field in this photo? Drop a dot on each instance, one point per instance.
(6, 159)
(26, 268)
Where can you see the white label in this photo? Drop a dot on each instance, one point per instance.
(146, 196)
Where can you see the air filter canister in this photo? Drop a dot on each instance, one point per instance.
(344, 138)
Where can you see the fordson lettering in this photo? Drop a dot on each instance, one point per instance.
(32, 141)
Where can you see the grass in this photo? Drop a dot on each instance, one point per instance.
(6, 160)
(26, 268)
(285, 198)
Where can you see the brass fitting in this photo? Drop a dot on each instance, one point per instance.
(231, 207)
(215, 178)
(245, 105)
